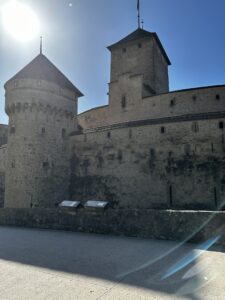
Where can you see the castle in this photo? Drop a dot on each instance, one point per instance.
(148, 148)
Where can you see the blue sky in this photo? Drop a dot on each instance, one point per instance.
(75, 40)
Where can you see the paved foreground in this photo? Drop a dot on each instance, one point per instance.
(43, 264)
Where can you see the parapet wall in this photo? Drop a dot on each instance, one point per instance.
(175, 162)
(178, 103)
(194, 226)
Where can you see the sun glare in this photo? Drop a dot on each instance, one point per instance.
(20, 21)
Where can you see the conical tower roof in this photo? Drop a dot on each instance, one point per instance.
(42, 68)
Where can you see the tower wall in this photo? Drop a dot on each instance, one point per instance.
(142, 57)
(41, 115)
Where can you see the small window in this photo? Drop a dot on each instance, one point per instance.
(130, 133)
(217, 97)
(45, 164)
(109, 135)
(140, 45)
(63, 132)
(194, 97)
(123, 101)
(124, 50)
(43, 130)
(162, 129)
(195, 127)
(172, 102)
(221, 125)
(171, 195)
(12, 129)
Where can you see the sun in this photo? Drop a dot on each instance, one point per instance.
(20, 21)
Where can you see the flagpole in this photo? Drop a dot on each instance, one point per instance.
(138, 9)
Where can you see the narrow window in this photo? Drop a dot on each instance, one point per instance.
(130, 133)
(109, 135)
(162, 129)
(63, 132)
(215, 197)
(221, 125)
(194, 98)
(43, 130)
(12, 129)
(123, 101)
(171, 195)
(45, 164)
(195, 127)
(172, 102)
(140, 45)
(124, 50)
(217, 97)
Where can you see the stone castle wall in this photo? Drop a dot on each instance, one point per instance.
(3, 153)
(3, 134)
(179, 103)
(40, 119)
(165, 163)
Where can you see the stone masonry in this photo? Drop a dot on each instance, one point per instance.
(148, 148)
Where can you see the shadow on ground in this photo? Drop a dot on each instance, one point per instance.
(163, 266)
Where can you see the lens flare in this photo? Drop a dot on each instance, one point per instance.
(20, 21)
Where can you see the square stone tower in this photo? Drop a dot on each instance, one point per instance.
(139, 68)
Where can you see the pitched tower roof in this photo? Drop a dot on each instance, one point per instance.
(140, 34)
(43, 69)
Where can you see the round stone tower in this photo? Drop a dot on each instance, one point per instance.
(42, 106)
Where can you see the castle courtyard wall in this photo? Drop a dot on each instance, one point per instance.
(161, 163)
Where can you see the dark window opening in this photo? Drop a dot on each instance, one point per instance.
(43, 130)
(139, 45)
(45, 164)
(195, 127)
(108, 134)
(194, 98)
(171, 195)
(215, 197)
(172, 102)
(221, 125)
(124, 102)
(217, 97)
(130, 133)
(12, 129)
(162, 129)
(63, 132)
(212, 147)
(124, 50)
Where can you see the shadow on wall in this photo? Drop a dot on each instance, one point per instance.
(167, 267)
